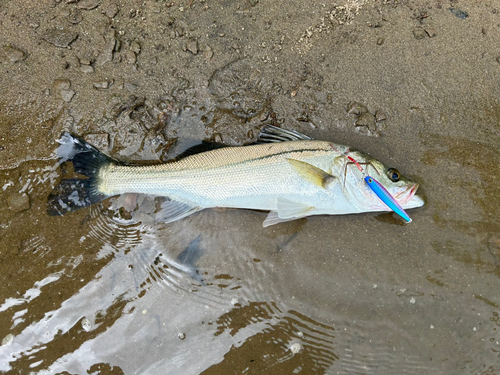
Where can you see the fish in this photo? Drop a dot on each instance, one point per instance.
(285, 172)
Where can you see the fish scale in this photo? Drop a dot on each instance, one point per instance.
(219, 177)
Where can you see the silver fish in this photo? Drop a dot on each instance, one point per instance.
(286, 173)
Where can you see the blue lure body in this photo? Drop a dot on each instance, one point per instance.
(386, 197)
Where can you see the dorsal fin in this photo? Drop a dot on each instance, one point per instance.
(198, 149)
(270, 134)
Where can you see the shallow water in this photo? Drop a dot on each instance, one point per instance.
(217, 293)
(106, 291)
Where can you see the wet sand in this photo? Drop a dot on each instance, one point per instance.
(103, 291)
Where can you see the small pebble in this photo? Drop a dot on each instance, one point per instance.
(368, 120)
(88, 4)
(419, 34)
(103, 85)
(412, 300)
(431, 32)
(234, 301)
(75, 18)
(12, 54)
(459, 13)
(217, 138)
(86, 69)
(111, 10)
(380, 116)
(135, 47)
(181, 336)
(59, 38)
(380, 41)
(86, 325)
(363, 130)
(208, 53)
(356, 108)
(61, 84)
(67, 95)
(64, 12)
(295, 348)
(106, 55)
(19, 202)
(85, 61)
(192, 46)
(130, 57)
(432, 327)
(179, 31)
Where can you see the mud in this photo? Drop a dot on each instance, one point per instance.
(106, 291)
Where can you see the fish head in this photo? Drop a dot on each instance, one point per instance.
(402, 189)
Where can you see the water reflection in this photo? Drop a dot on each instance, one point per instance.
(266, 337)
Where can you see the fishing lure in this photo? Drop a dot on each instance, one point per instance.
(380, 191)
(386, 197)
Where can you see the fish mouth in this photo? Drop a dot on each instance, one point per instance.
(408, 198)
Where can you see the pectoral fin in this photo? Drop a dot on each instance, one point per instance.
(311, 173)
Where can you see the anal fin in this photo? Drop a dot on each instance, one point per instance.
(171, 211)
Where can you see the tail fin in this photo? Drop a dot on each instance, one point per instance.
(73, 194)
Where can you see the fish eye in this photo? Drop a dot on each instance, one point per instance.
(393, 174)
